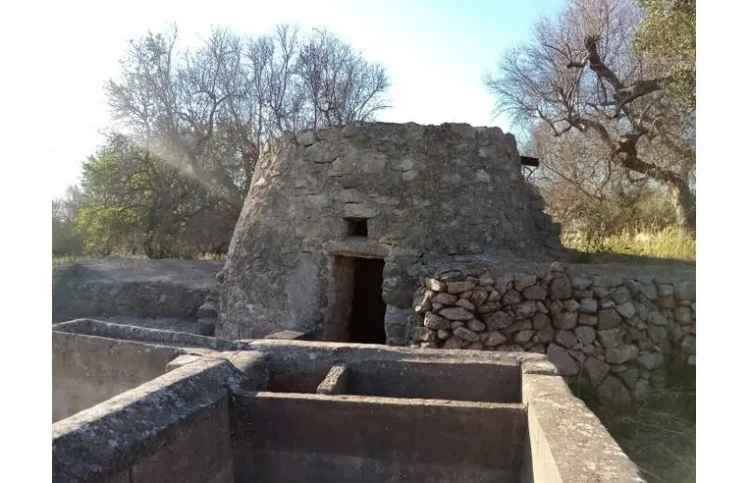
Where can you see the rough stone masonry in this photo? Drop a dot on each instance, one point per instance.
(617, 332)
(406, 194)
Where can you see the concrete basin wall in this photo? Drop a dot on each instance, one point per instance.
(565, 441)
(87, 370)
(300, 366)
(317, 438)
(251, 413)
(454, 380)
(174, 428)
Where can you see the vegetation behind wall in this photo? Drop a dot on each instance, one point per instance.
(189, 125)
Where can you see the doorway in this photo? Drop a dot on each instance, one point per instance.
(359, 310)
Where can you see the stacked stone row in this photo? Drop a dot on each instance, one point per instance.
(613, 333)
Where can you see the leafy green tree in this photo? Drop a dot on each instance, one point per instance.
(66, 241)
(136, 202)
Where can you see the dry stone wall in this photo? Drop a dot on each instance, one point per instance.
(617, 333)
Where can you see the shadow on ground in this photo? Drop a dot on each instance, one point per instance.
(659, 435)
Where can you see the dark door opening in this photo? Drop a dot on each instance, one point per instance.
(358, 311)
(367, 318)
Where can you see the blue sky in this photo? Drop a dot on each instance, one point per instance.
(436, 53)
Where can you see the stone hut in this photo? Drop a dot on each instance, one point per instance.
(341, 225)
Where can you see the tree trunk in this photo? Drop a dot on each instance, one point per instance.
(684, 204)
(626, 154)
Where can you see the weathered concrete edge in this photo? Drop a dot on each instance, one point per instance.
(290, 335)
(352, 399)
(130, 332)
(286, 348)
(346, 351)
(109, 438)
(567, 441)
(66, 337)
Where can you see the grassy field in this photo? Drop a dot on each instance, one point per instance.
(669, 243)
(659, 436)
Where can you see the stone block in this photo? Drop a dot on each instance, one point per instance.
(610, 338)
(463, 302)
(535, 292)
(444, 299)
(565, 320)
(498, 320)
(456, 313)
(459, 287)
(620, 295)
(585, 334)
(566, 365)
(435, 285)
(523, 336)
(435, 322)
(541, 321)
(622, 354)
(465, 334)
(588, 306)
(511, 297)
(650, 360)
(495, 338)
(626, 309)
(523, 282)
(609, 319)
(476, 325)
(566, 339)
(588, 319)
(560, 288)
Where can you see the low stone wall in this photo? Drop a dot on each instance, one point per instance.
(115, 286)
(616, 332)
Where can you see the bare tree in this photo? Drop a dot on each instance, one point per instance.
(591, 197)
(211, 111)
(581, 74)
(173, 104)
(340, 85)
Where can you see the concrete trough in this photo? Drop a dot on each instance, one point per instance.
(287, 410)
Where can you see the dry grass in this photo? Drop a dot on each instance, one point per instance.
(658, 436)
(216, 257)
(666, 243)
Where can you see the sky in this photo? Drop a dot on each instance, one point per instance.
(436, 54)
